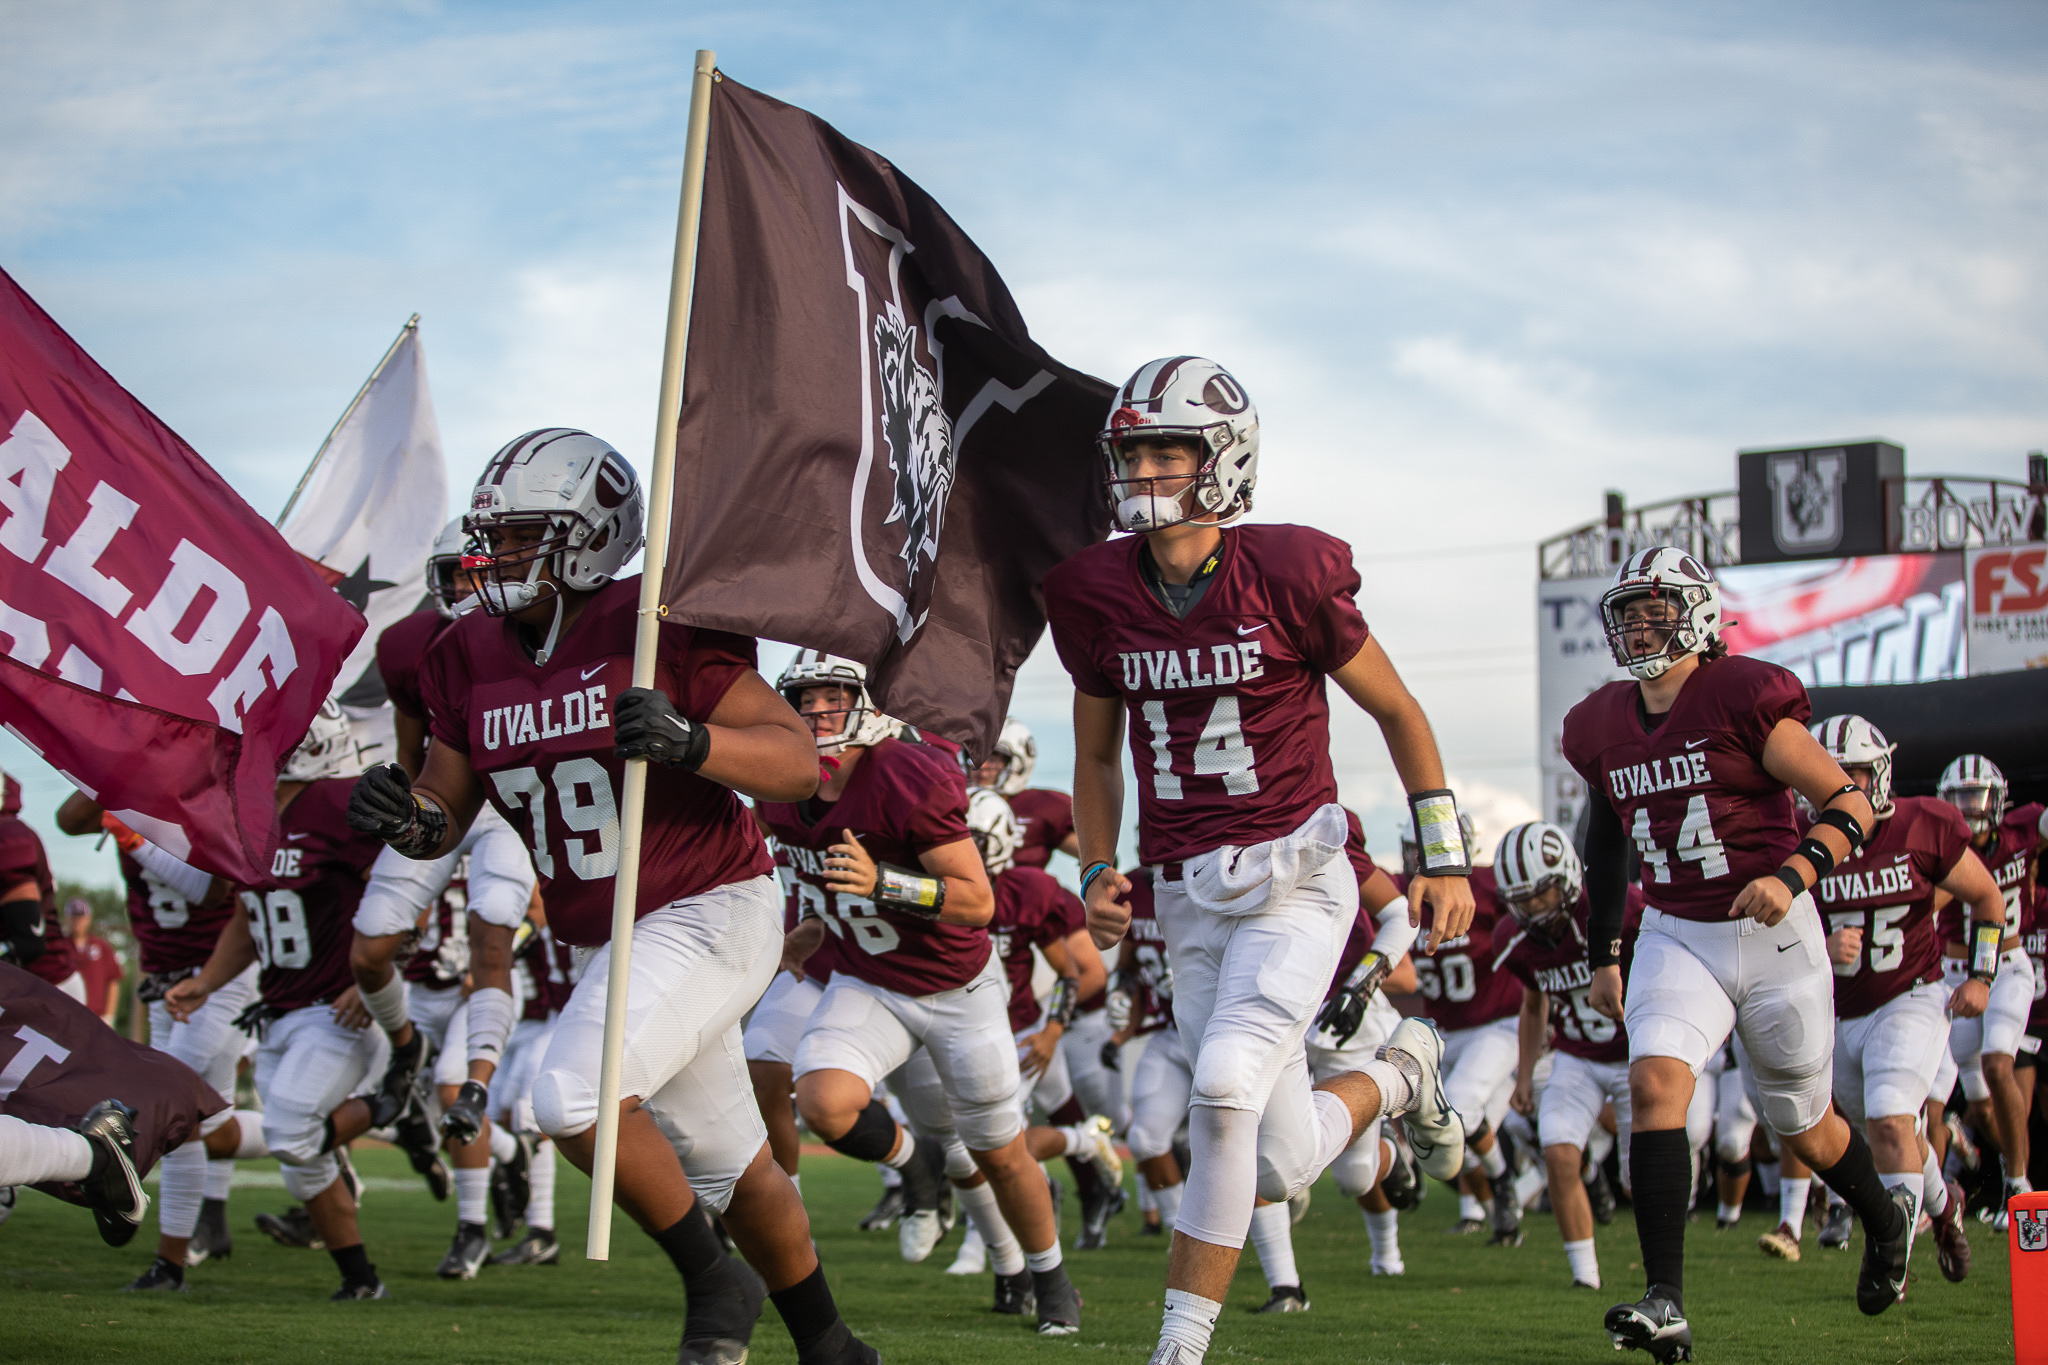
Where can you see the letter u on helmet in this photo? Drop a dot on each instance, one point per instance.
(1974, 785)
(994, 827)
(1668, 573)
(583, 494)
(328, 750)
(865, 723)
(1182, 397)
(1854, 742)
(1531, 859)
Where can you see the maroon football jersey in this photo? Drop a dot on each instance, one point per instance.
(902, 801)
(171, 933)
(1152, 1007)
(1691, 789)
(23, 860)
(441, 956)
(543, 968)
(1044, 820)
(818, 966)
(400, 651)
(1032, 910)
(540, 739)
(2037, 948)
(303, 916)
(1561, 970)
(2013, 858)
(1888, 892)
(1459, 986)
(1230, 730)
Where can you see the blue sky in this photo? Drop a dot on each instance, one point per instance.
(1475, 262)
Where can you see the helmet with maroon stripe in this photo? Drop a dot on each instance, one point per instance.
(1532, 859)
(446, 583)
(863, 722)
(994, 827)
(1854, 742)
(1669, 575)
(1182, 398)
(328, 749)
(1974, 785)
(585, 498)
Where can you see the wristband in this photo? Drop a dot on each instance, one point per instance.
(1439, 838)
(1846, 823)
(911, 892)
(421, 839)
(1985, 937)
(1371, 970)
(1816, 852)
(1089, 874)
(1064, 1001)
(1792, 882)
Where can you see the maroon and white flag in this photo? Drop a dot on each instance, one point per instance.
(165, 648)
(874, 457)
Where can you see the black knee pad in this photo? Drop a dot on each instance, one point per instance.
(1736, 1169)
(872, 1136)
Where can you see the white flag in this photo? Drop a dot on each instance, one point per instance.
(375, 501)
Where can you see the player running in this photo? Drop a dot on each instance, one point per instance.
(1216, 644)
(530, 707)
(1692, 760)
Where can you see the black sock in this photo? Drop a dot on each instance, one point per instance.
(718, 1302)
(692, 1243)
(172, 1268)
(810, 1314)
(1855, 1178)
(1660, 1164)
(354, 1263)
(1086, 1178)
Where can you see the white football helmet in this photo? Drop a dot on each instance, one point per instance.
(1669, 573)
(1974, 785)
(577, 487)
(994, 827)
(1854, 742)
(1019, 754)
(328, 750)
(864, 722)
(1192, 399)
(444, 569)
(1531, 859)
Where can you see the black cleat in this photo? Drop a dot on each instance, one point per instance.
(211, 1239)
(1951, 1246)
(512, 1186)
(1286, 1298)
(1882, 1280)
(464, 1120)
(537, 1247)
(1059, 1303)
(466, 1254)
(1098, 1206)
(422, 1147)
(734, 1315)
(401, 1087)
(1151, 1229)
(113, 1189)
(1402, 1182)
(1654, 1324)
(886, 1211)
(840, 1347)
(292, 1228)
(1014, 1295)
(1834, 1230)
(162, 1277)
(1506, 1219)
(1600, 1193)
(1465, 1227)
(352, 1293)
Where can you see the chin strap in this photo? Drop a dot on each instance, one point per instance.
(540, 656)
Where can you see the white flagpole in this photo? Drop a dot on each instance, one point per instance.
(412, 324)
(661, 483)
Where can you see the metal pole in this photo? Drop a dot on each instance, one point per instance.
(661, 484)
(412, 324)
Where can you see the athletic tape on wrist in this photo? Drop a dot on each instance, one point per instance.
(1439, 838)
(389, 1004)
(1985, 937)
(911, 892)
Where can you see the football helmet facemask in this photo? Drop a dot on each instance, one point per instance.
(447, 584)
(1974, 785)
(1692, 622)
(1017, 751)
(1854, 742)
(1533, 859)
(862, 722)
(1182, 398)
(328, 750)
(581, 494)
(994, 827)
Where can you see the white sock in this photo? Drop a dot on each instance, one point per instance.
(1189, 1321)
(1147, 1201)
(1767, 1175)
(1585, 1265)
(1493, 1163)
(1728, 1213)
(1397, 1094)
(31, 1154)
(890, 1180)
(797, 1181)
(1531, 1183)
(220, 1175)
(1168, 1200)
(1385, 1231)
(473, 1193)
(252, 1147)
(388, 1004)
(1005, 1256)
(1792, 1203)
(182, 1173)
(540, 1202)
(503, 1145)
(1273, 1239)
(905, 1149)
(1933, 1189)
(1598, 1146)
(971, 1246)
(1042, 1261)
(1909, 1181)
(1076, 1142)
(1470, 1207)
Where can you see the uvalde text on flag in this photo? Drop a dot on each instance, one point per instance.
(164, 647)
(874, 457)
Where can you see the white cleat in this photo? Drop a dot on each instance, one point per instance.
(1434, 1132)
(1389, 1267)
(917, 1233)
(1099, 1150)
(973, 1255)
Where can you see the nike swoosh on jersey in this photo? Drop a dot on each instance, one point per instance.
(591, 671)
(293, 838)
(1246, 630)
(1690, 744)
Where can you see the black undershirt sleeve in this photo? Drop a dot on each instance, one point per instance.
(1606, 883)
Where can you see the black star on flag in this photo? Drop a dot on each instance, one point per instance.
(355, 589)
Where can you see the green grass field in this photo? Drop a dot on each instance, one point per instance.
(1459, 1301)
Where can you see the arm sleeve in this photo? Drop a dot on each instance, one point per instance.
(1394, 936)
(1606, 883)
(180, 876)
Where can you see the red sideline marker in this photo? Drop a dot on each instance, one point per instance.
(2028, 1251)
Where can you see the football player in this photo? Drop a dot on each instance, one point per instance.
(1162, 1080)
(1734, 1136)
(546, 970)
(894, 889)
(31, 932)
(1045, 818)
(1216, 645)
(1891, 1007)
(176, 913)
(1544, 947)
(1691, 759)
(1987, 1048)
(317, 1047)
(530, 706)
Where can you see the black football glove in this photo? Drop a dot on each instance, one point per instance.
(1112, 1055)
(464, 1119)
(1343, 1013)
(21, 932)
(382, 804)
(645, 724)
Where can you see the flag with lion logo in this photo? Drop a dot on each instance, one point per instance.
(874, 457)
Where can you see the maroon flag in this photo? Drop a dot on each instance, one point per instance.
(874, 457)
(164, 647)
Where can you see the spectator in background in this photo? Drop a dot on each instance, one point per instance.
(98, 963)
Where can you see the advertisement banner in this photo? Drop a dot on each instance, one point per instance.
(2008, 608)
(1870, 620)
(1572, 662)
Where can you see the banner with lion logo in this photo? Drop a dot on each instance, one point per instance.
(874, 457)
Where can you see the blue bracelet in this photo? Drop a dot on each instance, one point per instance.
(1093, 871)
